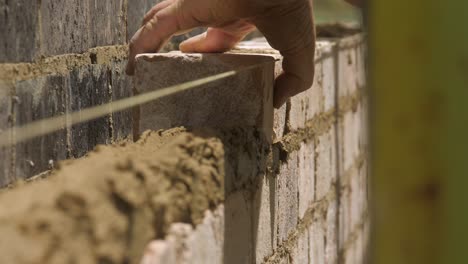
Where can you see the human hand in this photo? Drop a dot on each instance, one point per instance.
(287, 25)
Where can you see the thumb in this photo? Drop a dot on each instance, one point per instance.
(290, 29)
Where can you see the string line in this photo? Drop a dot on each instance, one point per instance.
(57, 123)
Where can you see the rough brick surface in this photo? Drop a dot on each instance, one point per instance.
(306, 105)
(65, 26)
(89, 87)
(38, 99)
(326, 165)
(317, 242)
(264, 219)
(107, 18)
(18, 30)
(238, 228)
(300, 254)
(287, 190)
(244, 100)
(5, 115)
(306, 176)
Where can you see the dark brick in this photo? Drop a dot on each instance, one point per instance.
(89, 86)
(38, 99)
(122, 87)
(108, 22)
(5, 152)
(18, 30)
(65, 26)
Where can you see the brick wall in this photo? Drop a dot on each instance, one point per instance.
(310, 203)
(58, 57)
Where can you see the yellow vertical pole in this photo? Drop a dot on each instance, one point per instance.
(419, 128)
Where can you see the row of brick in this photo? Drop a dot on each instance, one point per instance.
(55, 95)
(265, 218)
(30, 30)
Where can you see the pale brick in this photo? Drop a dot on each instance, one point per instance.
(287, 192)
(306, 105)
(361, 66)
(347, 60)
(159, 252)
(317, 238)
(279, 122)
(264, 219)
(326, 73)
(326, 163)
(300, 254)
(177, 236)
(331, 248)
(204, 245)
(238, 229)
(356, 200)
(306, 176)
(345, 223)
(364, 122)
(244, 100)
(349, 141)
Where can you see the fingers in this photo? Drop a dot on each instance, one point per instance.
(218, 39)
(297, 76)
(290, 29)
(158, 7)
(173, 17)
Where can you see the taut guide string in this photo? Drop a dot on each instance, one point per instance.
(57, 123)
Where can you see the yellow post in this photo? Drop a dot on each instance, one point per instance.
(419, 128)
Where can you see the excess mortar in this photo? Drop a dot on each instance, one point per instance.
(105, 207)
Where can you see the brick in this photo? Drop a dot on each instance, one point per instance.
(159, 252)
(347, 65)
(306, 105)
(356, 200)
(108, 22)
(300, 254)
(363, 119)
(204, 245)
(361, 65)
(326, 73)
(244, 100)
(279, 122)
(238, 229)
(287, 192)
(38, 99)
(349, 255)
(349, 149)
(18, 30)
(345, 223)
(331, 247)
(5, 152)
(264, 219)
(122, 87)
(89, 86)
(326, 163)
(65, 26)
(177, 237)
(306, 176)
(317, 240)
